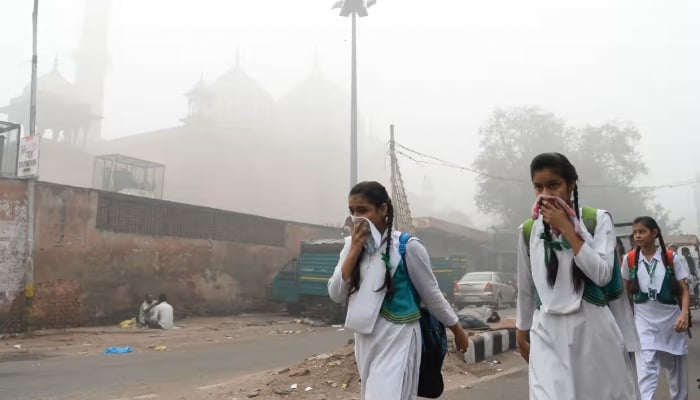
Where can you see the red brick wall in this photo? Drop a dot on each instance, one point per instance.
(207, 261)
(113, 271)
(56, 304)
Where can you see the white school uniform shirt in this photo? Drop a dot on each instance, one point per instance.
(595, 259)
(655, 321)
(364, 306)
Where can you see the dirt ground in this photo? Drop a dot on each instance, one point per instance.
(324, 376)
(190, 332)
(334, 376)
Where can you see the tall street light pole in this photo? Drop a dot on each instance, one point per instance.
(353, 8)
(353, 105)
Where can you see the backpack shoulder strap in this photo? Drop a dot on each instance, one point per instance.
(669, 256)
(630, 259)
(403, 240)
(589, 216)
(527, 230)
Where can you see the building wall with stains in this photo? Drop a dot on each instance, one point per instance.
(13, 253)
(96, 254)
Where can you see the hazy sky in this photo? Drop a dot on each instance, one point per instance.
(436, 68)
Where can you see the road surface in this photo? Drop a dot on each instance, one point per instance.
(145, 373)
(115, 376)
(142, 374)
(514, 387)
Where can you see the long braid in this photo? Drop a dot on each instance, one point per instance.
(553, 264)
(578, 277)
(388, 283)
(675, 287)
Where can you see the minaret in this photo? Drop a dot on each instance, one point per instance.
(92, 61)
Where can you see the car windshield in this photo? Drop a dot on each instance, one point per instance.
(477, 277)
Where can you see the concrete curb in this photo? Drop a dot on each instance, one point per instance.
(488, 344)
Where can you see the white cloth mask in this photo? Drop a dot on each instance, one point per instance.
(374, 239)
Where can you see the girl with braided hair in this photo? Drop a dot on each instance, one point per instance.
(381, 308)
(655, 278)
(575, 326)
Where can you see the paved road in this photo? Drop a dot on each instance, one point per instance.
(514, 387)
(108, 377)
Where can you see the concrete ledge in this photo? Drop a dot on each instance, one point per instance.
(487, 344)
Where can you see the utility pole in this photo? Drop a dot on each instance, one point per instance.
(29, 271)
(32, 103)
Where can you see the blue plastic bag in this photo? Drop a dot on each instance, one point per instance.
(118, 350)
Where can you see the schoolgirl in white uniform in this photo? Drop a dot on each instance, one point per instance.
(568, 292)
(388, 340)
(655, 277)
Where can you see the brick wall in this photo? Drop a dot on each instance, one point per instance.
(96, 255)
(118, 248)
(13, 253)
(56, 304)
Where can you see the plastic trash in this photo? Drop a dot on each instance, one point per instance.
(160, 348)
(127, 324)
(118, 350)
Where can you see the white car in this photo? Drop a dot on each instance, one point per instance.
(486, 287)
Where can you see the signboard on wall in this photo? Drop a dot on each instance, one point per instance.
(28, 157)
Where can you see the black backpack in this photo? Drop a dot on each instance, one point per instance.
(430, 383)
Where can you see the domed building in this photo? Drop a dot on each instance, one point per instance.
(233, 100)
(226, 144)
(64, 116)
(315, 105)
(313, 120)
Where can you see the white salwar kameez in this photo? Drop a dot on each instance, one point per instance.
(388, 354)
(577, 349)
(661, 345)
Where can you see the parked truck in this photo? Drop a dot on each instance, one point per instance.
(301, 284)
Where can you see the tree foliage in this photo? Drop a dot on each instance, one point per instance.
(605, 157)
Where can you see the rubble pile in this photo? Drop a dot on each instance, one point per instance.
(324, 376)
(330, 376)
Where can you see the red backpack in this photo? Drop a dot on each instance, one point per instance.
(631, 254)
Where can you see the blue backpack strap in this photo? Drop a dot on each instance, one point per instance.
(433, 332)
(403, 240)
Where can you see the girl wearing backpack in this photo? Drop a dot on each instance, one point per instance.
(381, 305)
(656, 280)
(571, 311)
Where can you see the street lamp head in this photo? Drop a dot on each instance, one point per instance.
(349, 7)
